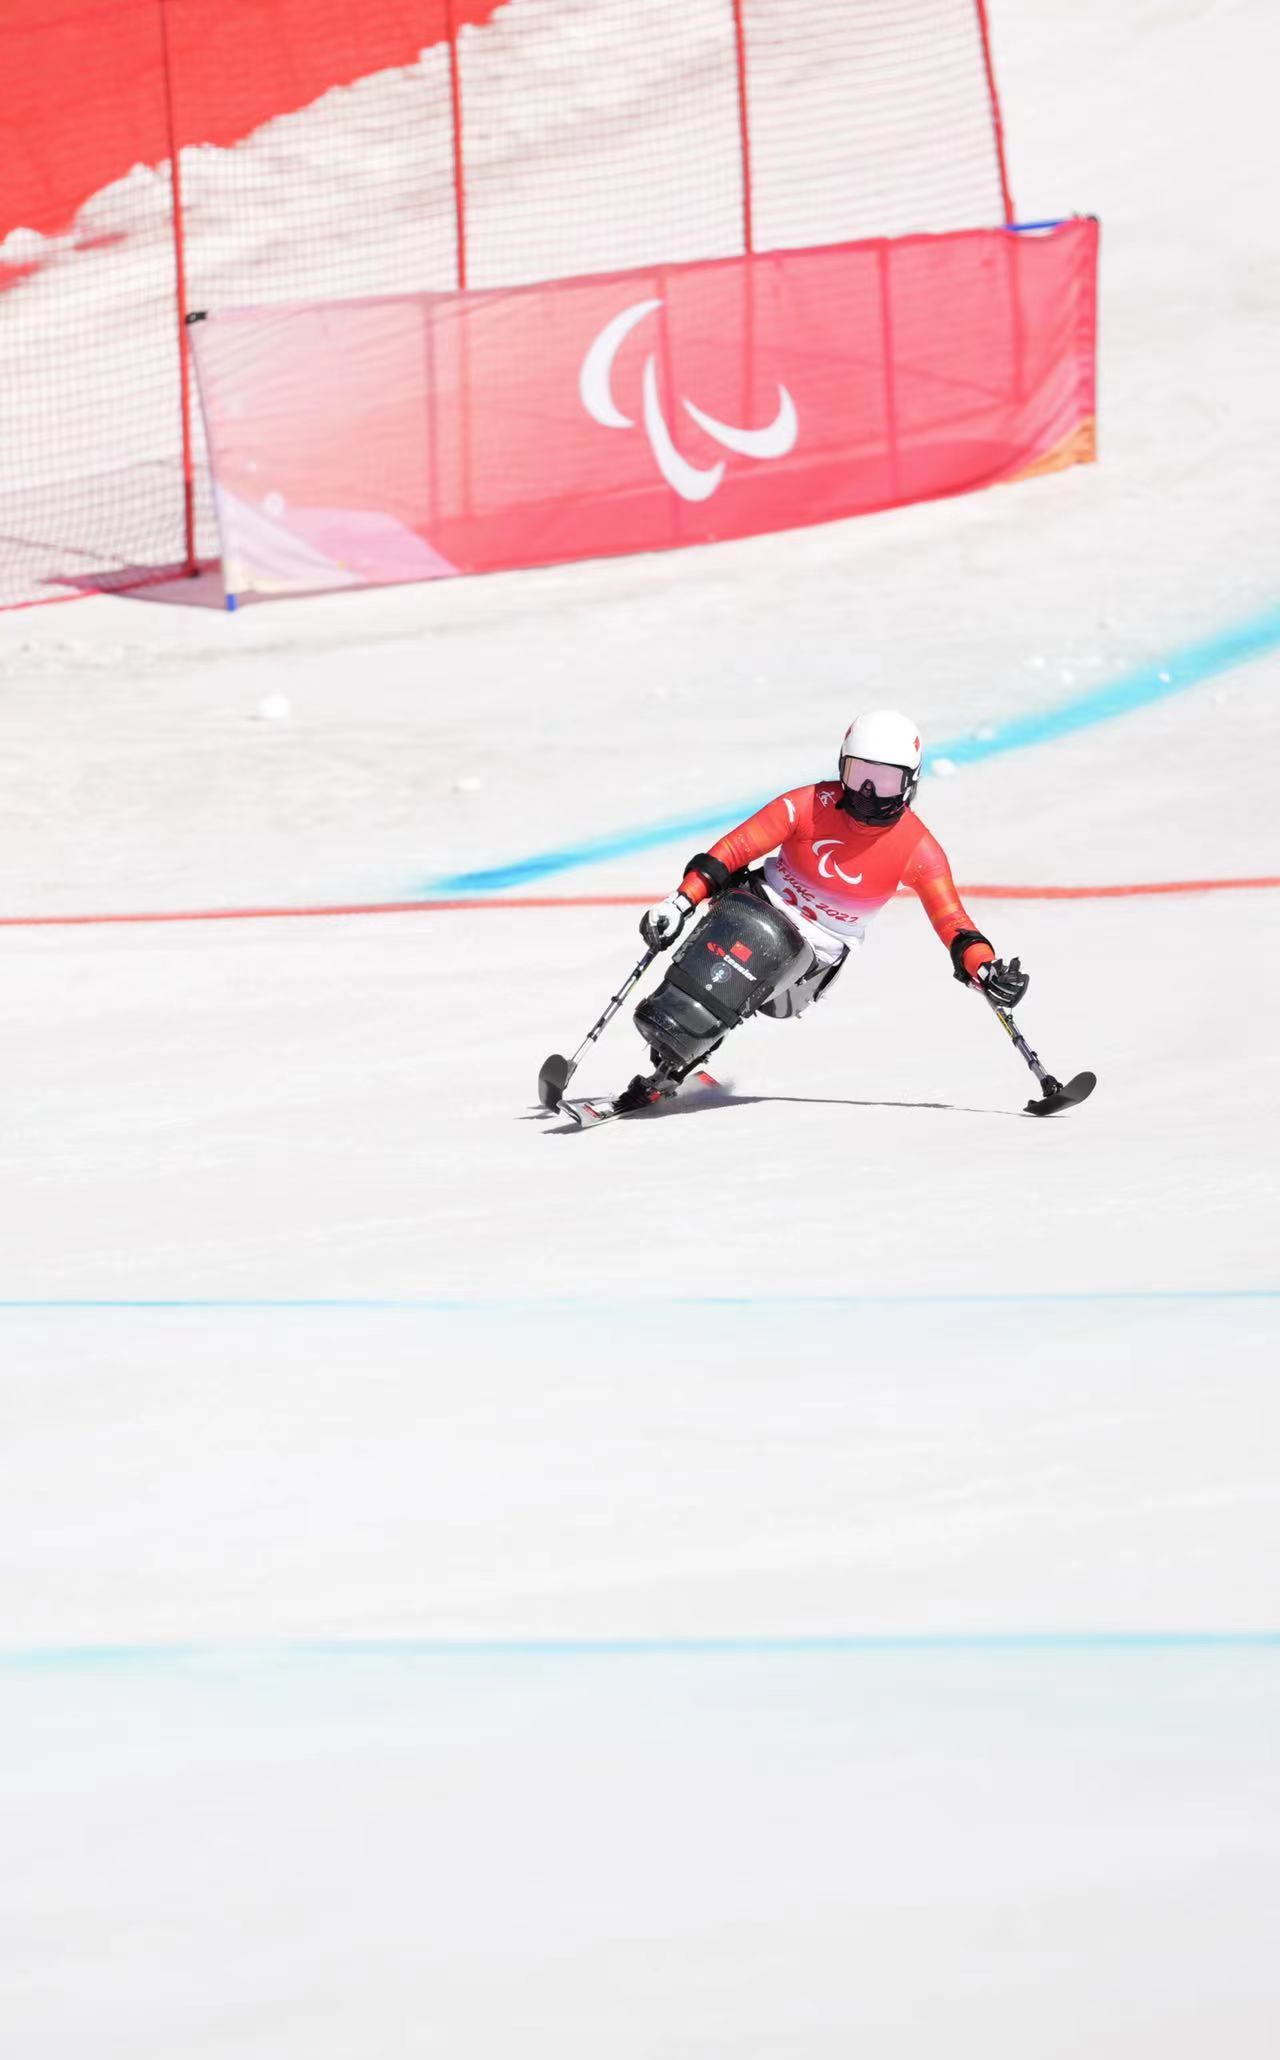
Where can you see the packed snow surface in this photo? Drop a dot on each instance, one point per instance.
(785, 1576)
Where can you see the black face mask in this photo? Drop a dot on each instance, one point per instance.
(866, 804)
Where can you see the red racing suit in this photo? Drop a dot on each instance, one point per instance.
(836, 873)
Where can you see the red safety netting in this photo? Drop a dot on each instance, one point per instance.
(90, 402)
(417, 436)
(875, 118)
(330, 148)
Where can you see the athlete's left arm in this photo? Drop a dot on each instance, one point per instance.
(929, 875)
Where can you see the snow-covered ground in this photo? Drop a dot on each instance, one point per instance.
(324, 1358)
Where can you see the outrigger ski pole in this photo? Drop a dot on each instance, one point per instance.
(1053, 1095)
(557, 1071)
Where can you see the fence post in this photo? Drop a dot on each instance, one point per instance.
(997, 120)
(890, 381)
(744, 127)
(180, 277)
(459, 162)
(748, 222)
(460, 238)
(667, 362)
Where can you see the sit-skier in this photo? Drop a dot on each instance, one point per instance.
(778, 936)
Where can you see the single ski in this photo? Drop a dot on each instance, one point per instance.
(597, 1109)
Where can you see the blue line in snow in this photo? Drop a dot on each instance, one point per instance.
(435, 1305)
(276, 1654)
(1188, 667)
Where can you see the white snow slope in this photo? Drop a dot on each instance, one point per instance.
(383, 1473)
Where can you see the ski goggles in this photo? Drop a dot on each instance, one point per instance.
(888, 782)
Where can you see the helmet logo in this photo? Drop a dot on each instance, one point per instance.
(691, 482)
(824, 851)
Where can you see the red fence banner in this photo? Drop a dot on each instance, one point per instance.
(418, 435)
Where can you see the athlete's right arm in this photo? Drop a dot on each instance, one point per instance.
(762, 832)
(708, 871)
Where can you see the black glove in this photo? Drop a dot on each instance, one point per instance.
(1003, 984)
(662, 924)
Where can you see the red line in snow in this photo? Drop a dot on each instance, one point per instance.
(479, 904)
(1111, 893)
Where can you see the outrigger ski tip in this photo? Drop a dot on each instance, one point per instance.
(1056, 1097)
(552, 1080)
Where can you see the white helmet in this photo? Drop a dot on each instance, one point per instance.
(879, 766)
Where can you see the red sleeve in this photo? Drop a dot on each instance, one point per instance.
(928, 873)
(761, 832)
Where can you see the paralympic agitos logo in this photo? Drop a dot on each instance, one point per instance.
(691, 482)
